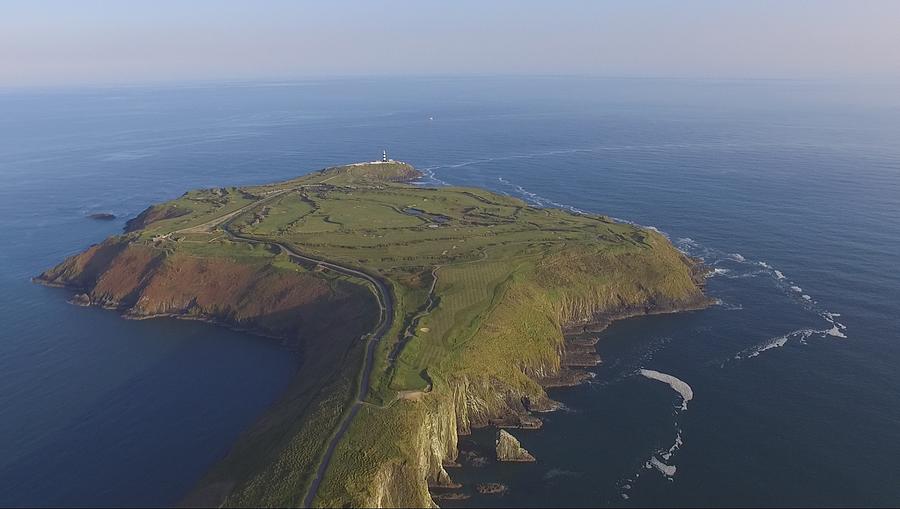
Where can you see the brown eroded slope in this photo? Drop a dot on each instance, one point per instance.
(249, 287)
(253, 293)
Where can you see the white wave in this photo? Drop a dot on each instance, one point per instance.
(737, 257)
(719, 272)
(678, 385)
(675, 446)
(558, 472)
(838, 328)
(779, 274)
(666, 470)
(777, 342)
(746, 275)
(657, 230)
(429, 173)
(801, 334)
(537, 199)
(764, 265)
(836, 332)
(728, 306)
(126, 155)
(797, 289)
(806, 297)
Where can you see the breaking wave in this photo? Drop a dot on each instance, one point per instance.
(536, 199)
(664, 469)
(554, 473)
(677, 385)
(836, 330)
(727, 306)
(430, 178)
(661, 460)
(739, 267)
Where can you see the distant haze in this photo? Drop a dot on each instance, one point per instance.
(90, 41)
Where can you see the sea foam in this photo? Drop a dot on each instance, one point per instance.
(837, 330)
(666, 470)
(678, 385)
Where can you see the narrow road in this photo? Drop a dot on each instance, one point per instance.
(213, 223)
(385, 321)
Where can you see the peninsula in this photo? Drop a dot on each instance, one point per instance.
(418, 314)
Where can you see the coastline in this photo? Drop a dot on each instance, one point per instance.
(122, 311)
(581, 336)
(561, 305)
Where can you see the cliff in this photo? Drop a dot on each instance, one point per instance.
(509, 449)
(252, 288)
(497, 377)
(243, 286)
(479, 289)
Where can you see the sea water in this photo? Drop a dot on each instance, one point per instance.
(788, 190)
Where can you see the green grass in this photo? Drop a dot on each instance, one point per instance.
(204, 205)
(508, 276)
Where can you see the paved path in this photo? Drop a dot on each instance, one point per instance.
(385, 321)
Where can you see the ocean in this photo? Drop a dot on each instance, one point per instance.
(788, 190)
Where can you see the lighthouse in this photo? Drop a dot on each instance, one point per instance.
(384, 156)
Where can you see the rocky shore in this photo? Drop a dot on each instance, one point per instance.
(537, 328)
(509, 449)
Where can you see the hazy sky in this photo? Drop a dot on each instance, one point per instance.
(90, 41)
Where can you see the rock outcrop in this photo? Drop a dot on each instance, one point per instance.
(102, 216)
(491, 488)
(504, 393)
(509, 449)
(495, 374)
(142, 281)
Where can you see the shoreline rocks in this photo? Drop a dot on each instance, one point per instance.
(102, 216)
(510, 450)
(491, 488)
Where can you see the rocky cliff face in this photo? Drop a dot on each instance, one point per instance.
(494, 380)
(153, 214)
(143, 281)
(507, 391)
(509, 449)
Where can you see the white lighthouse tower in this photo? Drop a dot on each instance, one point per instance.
(384, 156)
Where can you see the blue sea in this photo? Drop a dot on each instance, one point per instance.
(789, 190)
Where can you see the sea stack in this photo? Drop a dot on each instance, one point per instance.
(509, 449)
(102, 216)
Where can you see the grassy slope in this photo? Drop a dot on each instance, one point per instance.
(508, 277)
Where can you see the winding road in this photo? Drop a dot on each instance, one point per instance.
(385, 321)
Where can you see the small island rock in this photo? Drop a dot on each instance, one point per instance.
(509, 449)
(102, 216)
(491, 488)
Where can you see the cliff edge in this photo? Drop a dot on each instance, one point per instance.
(482, 289)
